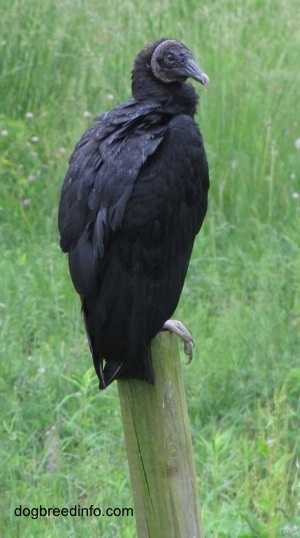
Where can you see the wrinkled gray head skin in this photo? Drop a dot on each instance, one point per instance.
(172, 61)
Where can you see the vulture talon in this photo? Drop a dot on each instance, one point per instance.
(177, 327)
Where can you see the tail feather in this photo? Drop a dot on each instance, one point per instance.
(109, 373)
(112, 370)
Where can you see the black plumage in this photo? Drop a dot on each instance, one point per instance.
(133, 200)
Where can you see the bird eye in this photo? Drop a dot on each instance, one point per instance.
(170, 57)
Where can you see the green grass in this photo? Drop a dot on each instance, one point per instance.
(61, 440)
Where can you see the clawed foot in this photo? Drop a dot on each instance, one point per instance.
(176, 327)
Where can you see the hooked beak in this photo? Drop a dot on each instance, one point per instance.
(192, 70)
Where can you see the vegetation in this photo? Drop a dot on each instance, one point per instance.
(61, 440)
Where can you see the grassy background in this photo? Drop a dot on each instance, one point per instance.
(61, 440)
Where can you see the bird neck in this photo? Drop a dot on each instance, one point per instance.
(174, 97)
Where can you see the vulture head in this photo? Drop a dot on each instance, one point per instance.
(164, 63)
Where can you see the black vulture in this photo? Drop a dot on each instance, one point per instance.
(132, 202)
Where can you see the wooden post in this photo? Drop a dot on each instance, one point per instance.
(159, 448)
